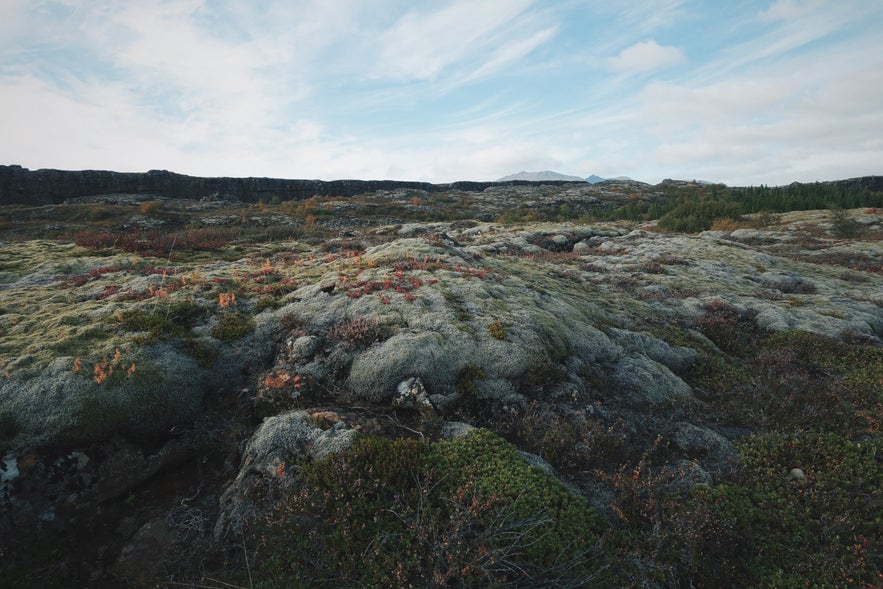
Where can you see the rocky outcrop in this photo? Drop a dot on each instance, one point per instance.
(20, 185)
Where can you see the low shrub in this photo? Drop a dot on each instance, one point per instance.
(731, 331)
(359, 332)
(822, 530)
(497, 330)
(467, 512)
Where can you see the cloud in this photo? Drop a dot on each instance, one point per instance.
(790, 9)
(512, 52)
(646, 56)
(420, 46)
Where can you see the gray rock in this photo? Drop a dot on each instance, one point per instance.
(640, 381)
(559, 240)
(796, 474)
(711, 450)
(302, 348)
(686, 474)
(451, 430)
(411, 394)
(581, 248)
(675, 358)
(538, 463)
(277, 440)
(146, 553)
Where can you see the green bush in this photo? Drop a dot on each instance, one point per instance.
(396, 513)
(694, 215)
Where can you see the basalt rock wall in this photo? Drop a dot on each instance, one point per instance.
(20, 185)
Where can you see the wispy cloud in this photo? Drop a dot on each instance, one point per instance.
(646, 56)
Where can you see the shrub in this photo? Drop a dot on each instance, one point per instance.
(232, 326)
(358, 332)
(173, 320)
(468, 512)
(823, 530)
(497, 330)
(692, 215)
(730, 330)
(845, 226)
(151, 208)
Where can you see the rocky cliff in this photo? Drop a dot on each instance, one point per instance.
(20, 185)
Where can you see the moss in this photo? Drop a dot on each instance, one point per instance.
(264, 303)
(172, 320)
(203, 353)
(232, 326)
(157, 324)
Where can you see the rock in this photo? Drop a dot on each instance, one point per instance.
(686, 474)
(146, 553)
(451, 430)
(640, 382)
(538, 463)
(675, 358)
(411, 394)
(796, 474)
(561, 242)
(581, 248)
(127, 467)
(709, 449)
(302, 348)
(277, 440)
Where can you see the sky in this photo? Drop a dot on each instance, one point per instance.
(744, 93)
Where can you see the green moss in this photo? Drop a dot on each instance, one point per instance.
(203, 353)
(173, 320)
(466, 379)
(468, 512)
(232, 326)
(265, 303)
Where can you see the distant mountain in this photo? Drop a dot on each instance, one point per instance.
(594, 179)
(545, 176)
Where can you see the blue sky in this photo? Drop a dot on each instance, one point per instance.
(738, 92)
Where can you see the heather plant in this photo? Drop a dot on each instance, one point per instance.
(497, 330)
(732, 331)
(769, 528)
(360, 332)
(467, 512)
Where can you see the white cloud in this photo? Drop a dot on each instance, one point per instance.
(512, 52)
(646, 56)
(97, 127)
(421, 46)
